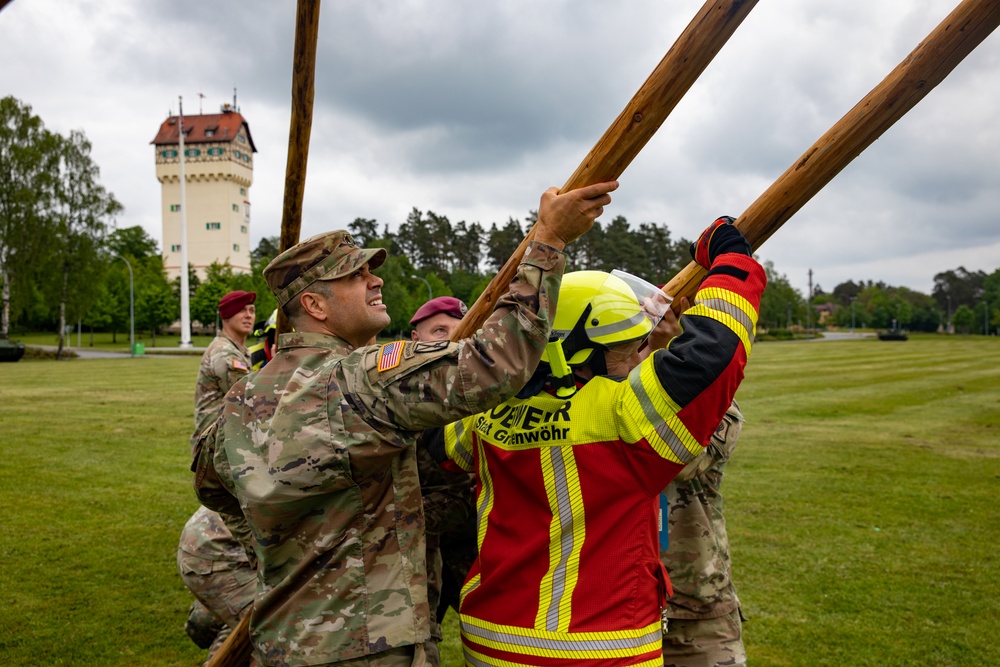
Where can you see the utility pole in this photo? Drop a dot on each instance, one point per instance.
(809, 303)
(185, 289)
(853, 299)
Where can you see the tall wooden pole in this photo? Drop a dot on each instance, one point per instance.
(235, 652)
(926, 66)
(300, 127)
(708, 31)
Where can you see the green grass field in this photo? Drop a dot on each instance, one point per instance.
(861, 504)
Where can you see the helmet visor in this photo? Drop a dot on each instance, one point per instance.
(652, 299)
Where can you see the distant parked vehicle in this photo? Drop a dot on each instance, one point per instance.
(11, 351)
(895, 332)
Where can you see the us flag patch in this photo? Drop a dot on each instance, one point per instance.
(390, 355)
(239, 365)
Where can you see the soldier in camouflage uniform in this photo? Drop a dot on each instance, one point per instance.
(315, 453)
(449, 496)
(704, 618)
(225, 360)
(705, 623)
(215, 568)
(212, 563)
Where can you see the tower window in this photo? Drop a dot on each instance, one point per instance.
(175, 248)
(243, 229)
(236, 208)
(236, 248)
(174, 208)
(213, 225)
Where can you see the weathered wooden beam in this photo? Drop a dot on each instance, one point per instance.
(703, 38)
(926, 66)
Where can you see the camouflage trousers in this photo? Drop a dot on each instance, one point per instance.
(711, 642)
(226, 589)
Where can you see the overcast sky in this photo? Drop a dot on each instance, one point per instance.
(472, 109)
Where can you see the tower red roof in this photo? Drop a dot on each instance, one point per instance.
(203, 129)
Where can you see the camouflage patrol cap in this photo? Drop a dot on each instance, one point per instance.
(326, 256)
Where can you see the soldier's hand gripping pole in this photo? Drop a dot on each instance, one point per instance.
(708, 31)
(926, 66)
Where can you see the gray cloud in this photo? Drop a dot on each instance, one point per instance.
(471, 109)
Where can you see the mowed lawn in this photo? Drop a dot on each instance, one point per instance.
(862, 506)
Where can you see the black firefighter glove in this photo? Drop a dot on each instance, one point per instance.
(719, 238)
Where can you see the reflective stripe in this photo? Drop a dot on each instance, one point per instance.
(455, 446)
(469, 586)
(607, 329)
(574, 646)
(730, 309)
(484, 503)
(677, 442)
(566, 535)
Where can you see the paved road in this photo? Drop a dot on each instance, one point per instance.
(88, 353)
(843, 335)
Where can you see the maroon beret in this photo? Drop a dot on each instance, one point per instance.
(448, 305)
(233, 303)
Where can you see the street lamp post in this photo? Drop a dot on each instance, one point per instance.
(948, 327)
(430, 293)
(131, 306)
(853, 299)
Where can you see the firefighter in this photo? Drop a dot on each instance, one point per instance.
(262, 351)
(570, 471)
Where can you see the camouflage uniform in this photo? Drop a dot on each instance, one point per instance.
(215, 568)
(317, 452)
(449, 508)
(224, 362)
(705, 622)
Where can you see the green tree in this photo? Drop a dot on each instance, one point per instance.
(502, 242)
(964, 319)
(83, 212)
(266, 250)
(133, 243)
(101, 313)
(156, 304)
(27, 159)
(364, 231)
(467, 248)
(959, 287)
(781, 305)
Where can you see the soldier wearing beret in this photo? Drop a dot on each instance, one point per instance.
(449, 496)
(225, 360)
(313, 458)
(212, 563)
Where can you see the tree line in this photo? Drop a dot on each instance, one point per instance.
(63, 261)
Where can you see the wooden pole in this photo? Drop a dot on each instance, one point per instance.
(708, 31)
(236, 650)
(926, 66)
(300, 127)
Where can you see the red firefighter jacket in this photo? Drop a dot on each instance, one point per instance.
(568, 569)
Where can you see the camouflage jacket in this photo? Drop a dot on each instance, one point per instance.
(697, 556)
(449, 503)
(223, 364)
(317, 450)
